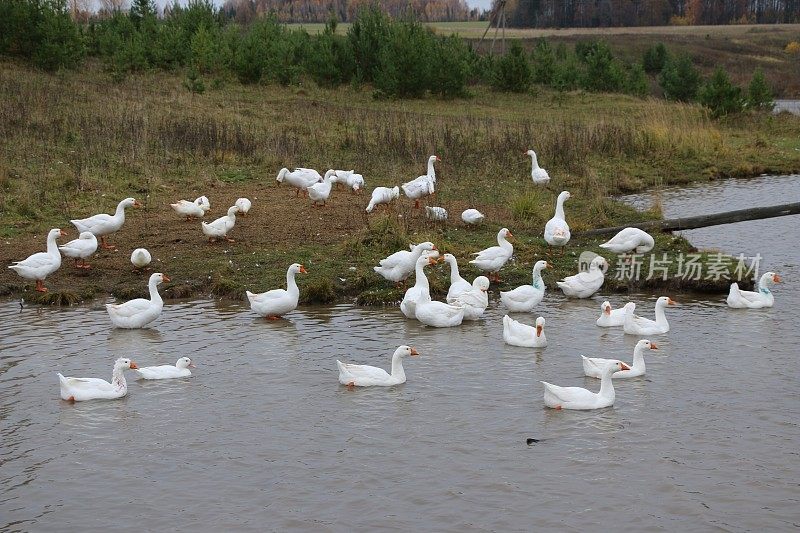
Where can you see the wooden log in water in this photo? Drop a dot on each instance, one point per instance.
(703, 221)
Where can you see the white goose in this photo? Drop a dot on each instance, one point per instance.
(556, 231)
(409, 304)
(457, 283)
(475, 300)
(320, 192)
(593, 366)
(103, 224)
(277, 302)
(244, 205)
(382, 195)
(82, 389)
(629, 240)
(763, 297)
(435, 213)
(519, 334)
(179, 370)
(538, 174)
(422, 186)
(472, 216)
(40, 265)
(584, 284)
(525, 297)
(219, 228)
(400, 265)
(579, 398)
(138, 313)
(636, 325)
(300, 178)
(140, 258)
(81, 248)
(437, 314)
(368, 376)
(612, 317)
(350, 179)
(492, 259)
(191, 210)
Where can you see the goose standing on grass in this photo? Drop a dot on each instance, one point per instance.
(300, 178)
(140, 258)
(556, 231)
(138, 313)
(762, 297)
(472, 216)
(409, 304)
(244, 205)
(457, 283)
(398, 266)
(83, 389)
(179, 370)
(519, 334)
(538, 174)
(629, 240)
(350, 179)
(613, 317)
(219, 228)
(196, 209)
(636, 325)
(81, 248)
(369, 376)
(273, 304)
(422, 186)
(525, 297)
(40, 265)
(585, 284)
(593, 366)
(475, 300)
(382, 195)
(492, 259)
(435, 213)
(320, 192)
(103, 224)
(579, 398)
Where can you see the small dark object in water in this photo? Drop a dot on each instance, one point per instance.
(531, 441)
(21, 304)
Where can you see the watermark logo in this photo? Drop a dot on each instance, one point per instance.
(690, 266)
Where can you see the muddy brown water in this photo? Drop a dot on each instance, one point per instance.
(263, 437)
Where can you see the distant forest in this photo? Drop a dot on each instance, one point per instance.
(604, 13)
(346, 10)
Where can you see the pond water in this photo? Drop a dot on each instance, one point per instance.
(263, 437)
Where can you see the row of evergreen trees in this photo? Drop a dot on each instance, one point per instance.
(401, 59)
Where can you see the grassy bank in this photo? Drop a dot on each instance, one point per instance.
(75, 144)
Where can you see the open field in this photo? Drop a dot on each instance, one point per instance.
(75, 144)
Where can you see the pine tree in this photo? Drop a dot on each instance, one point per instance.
(636, 83)
(720, 95)
(512, 72)
(758, 92)
(679, 79)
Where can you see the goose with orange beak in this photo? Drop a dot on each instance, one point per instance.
(525, 297)
(372, 376)
(636, 325)
(761, 297)
(273, 304)
(40, 265)
(579, 398)
(104, 224)
(593, 366)
(83, 389)
(138, 313)
(610, 317)
(492, 259)
(519, 334)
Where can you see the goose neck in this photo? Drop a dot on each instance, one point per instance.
(638, 358)
(120, 212)
(52, 247)
(118, 378)
(397, 368)
(291, 284)
(154, 296)
(431, 170)
(661, 316)
(534, 161)
(421, 278)
(538, 282)
(560, 207)
(607, 384)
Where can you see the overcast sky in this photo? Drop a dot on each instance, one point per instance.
(483, 4)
